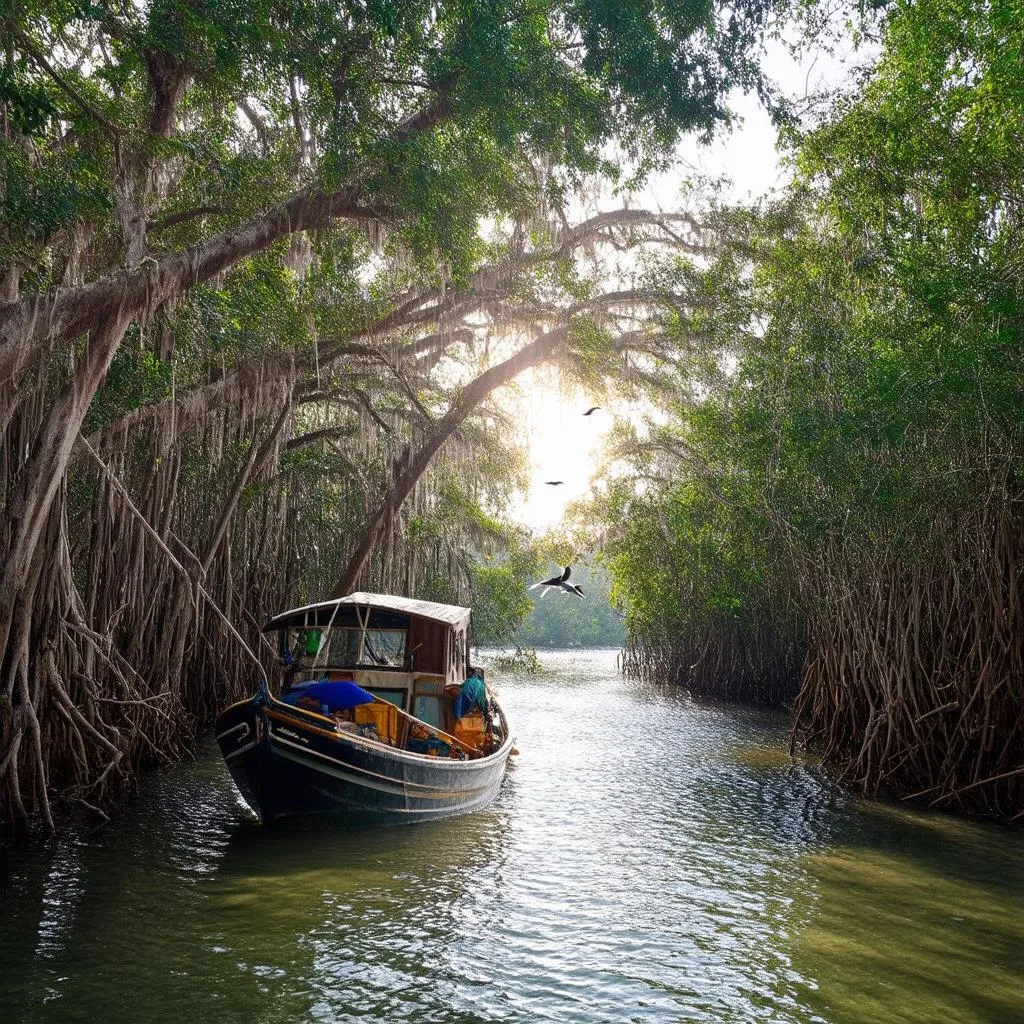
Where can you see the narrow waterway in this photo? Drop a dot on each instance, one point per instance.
(651, 858)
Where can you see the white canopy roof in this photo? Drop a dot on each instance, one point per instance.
(321, 613)
(450, 613)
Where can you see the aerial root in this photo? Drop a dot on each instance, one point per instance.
(911, 686)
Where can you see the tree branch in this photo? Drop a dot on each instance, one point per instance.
(406, 473)
(317, 435)
(33, 327)
(259, 125)
(113, 130)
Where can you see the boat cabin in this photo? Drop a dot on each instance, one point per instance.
(412, 656)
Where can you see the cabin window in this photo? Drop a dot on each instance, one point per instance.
(428, 709)
(381, 648)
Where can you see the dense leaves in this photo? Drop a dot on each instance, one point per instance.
(261, 267)
(853, 445)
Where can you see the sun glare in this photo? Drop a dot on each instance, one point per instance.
(564, 445)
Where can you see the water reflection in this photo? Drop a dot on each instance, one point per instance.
(918, 918)
(372, 926)
(651, 858)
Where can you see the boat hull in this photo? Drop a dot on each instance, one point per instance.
(287, 763)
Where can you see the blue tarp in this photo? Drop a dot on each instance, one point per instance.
(336, 695)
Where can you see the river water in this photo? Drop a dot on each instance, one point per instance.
(651, 858)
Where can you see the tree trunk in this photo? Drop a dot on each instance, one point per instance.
(43, 471)
(34, 571)
(407, 472)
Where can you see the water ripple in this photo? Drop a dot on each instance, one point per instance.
(651, 858)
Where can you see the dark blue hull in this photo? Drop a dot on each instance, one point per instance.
(289, 763)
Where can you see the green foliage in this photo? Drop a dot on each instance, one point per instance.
(136, 377)
(42, 196)
(275, 98)
(535, 79)
(592, 350)
(26, 101)
(523, 660)
(499, 596)
(854, 388)
(893, 352)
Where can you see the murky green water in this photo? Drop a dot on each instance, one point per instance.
(650, 858)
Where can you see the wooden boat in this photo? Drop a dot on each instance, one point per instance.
(366, 722)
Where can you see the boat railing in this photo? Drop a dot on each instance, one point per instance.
(326, 723)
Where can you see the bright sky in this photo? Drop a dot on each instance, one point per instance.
(564, 444)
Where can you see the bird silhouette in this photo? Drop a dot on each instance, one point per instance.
(593, 408)
(559, 583)
(555, 580)
(554, 483)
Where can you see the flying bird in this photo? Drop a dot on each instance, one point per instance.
(555, 581)
(593, 408)
(554, 483)
(559, 583)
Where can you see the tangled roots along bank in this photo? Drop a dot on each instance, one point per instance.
(915, 681)
(756, 662)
